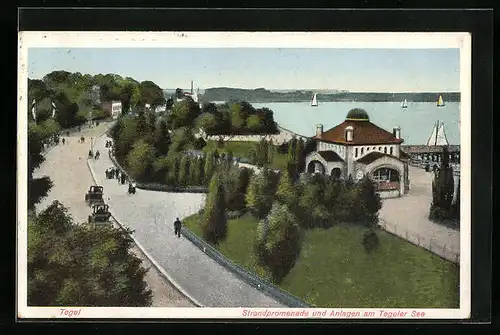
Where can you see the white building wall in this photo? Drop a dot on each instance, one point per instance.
(116, 109)
(339, 149)
(364, 150)
(388, 162)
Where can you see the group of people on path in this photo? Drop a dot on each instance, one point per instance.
(96, 156)
(114, 173)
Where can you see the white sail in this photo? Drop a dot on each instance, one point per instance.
(441, 136)
(440, 101)
(195, 97)
(314, 101)
(432, 139)
(404, 104)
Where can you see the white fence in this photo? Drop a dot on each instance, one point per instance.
(440, 248)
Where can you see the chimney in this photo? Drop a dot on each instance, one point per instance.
(349, 134)
(319, 131)
(396, 132)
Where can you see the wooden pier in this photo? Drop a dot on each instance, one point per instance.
(431, 153)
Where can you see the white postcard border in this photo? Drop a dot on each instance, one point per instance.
(372, 40)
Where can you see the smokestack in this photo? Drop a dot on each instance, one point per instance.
(319, 130)
(396, 132)
(349, 133)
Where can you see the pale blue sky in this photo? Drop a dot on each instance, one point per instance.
(376, 70)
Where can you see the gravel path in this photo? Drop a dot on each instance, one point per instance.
(72, 181)
(410, 213)
(151, 215)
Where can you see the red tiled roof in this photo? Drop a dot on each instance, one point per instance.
(330, 156)
(364, 132)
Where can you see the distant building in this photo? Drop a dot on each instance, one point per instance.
(357, 148)
(160, 109)
(116, 109)
(95, 95)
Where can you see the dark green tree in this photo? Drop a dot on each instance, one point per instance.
(214, 224)
(278, 241)
(77, 265)
(184, 170)
(369, 202)
(163, 141)
(260, 193)
(442, 189)
(209, 167)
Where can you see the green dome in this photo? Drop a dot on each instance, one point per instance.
(357, 114)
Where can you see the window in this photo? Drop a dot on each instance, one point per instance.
(368, 149)
(362, 151)
(356, 153)
(385, 150)
(390, 151)
(379, 148)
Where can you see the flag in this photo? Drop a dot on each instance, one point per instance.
(33, 104)
(53, 109)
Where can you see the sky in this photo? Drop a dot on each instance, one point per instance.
(361, 70)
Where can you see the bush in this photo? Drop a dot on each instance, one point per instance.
(200, 143)
(171, 188)
(260, 193)
(370, 240)
(231, 215)
(439, 214)
(278, 241)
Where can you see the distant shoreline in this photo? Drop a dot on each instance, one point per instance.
(262, 95)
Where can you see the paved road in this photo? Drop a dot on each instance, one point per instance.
(151, 215)
(410, 212)
(66, 165)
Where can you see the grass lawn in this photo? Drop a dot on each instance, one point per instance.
(241, 149)
(333, 269)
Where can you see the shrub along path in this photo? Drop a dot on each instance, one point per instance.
(151, 214)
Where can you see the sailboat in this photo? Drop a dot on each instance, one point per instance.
(404, 104)
(440, 102)
(314, 102)
(438, 136)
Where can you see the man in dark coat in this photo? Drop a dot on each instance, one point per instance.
(177, 227)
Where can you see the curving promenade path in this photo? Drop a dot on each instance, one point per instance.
(151, 215)
(66, 165)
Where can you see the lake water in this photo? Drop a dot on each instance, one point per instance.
(416, 121)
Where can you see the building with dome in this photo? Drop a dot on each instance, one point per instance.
(356, 148)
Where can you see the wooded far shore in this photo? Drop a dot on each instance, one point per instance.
(265, 95)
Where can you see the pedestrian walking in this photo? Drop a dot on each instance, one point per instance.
(177, 227)
(63, 141)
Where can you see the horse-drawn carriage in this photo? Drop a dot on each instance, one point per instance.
(94, 195)
(100, 214)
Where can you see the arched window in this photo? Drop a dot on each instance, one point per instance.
(379, 148)
(362, 151)
(390, 151)
(385, 150)
(385, 174)
(356, 152)
(367, 149)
